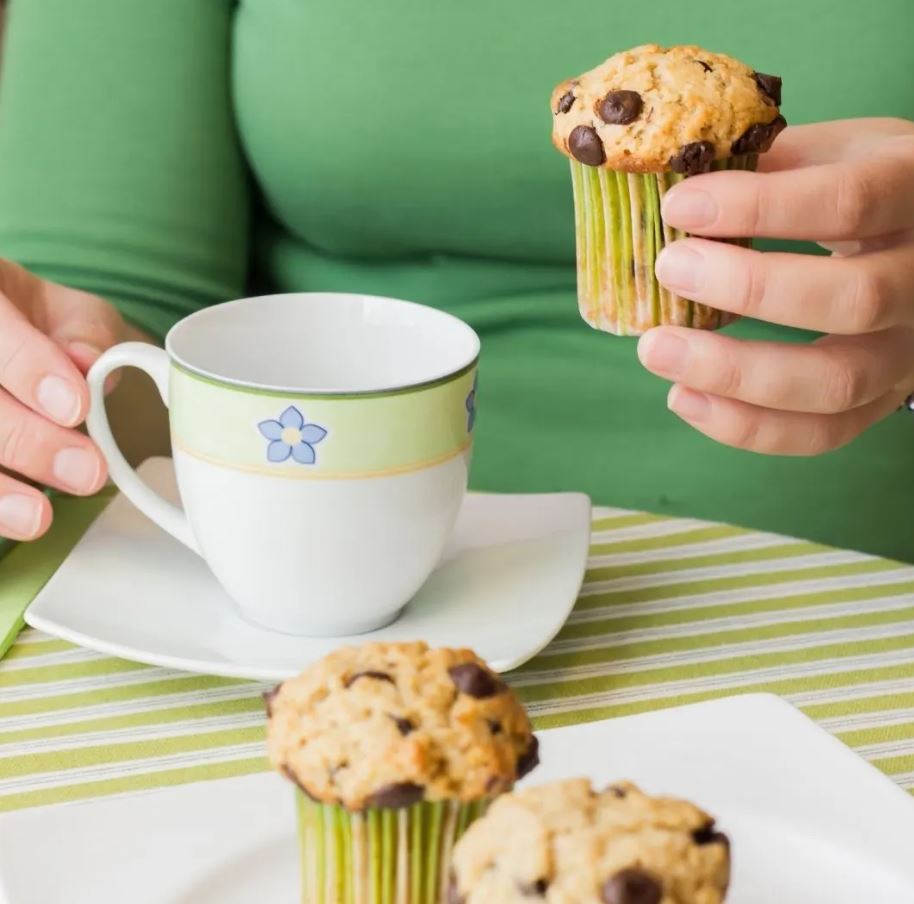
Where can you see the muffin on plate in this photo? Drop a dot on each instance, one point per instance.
(633, 127)
(394, 750)
(565, 843)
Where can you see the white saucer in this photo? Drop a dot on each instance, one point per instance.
(809, 821)
(505, 588)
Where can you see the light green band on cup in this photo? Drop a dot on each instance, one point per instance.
(379, 856)
(322, 437)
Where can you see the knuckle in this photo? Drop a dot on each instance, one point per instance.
(744, 432)
(756, 211)
(869, 301)
(754, 287)
(845, 387)
(853, 192)
(824, 435)
(14, 441)
(12, 354)
(728, 376)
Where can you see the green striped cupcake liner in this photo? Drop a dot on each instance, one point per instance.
(619, 233)
(379, 856)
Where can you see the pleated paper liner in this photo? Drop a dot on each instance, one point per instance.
(619, 233)
(379, 856)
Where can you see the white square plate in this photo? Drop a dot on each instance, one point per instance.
(810, 822)
(129, 589)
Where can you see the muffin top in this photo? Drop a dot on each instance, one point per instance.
(654, 109)
(388, 725)
(567, 844)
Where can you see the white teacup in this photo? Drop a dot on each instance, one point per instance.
(321, 443)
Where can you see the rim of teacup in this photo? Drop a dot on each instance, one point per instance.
(467, 362)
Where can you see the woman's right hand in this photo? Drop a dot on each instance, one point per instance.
(49, 337)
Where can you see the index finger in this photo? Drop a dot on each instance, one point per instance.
(829, 142)
(845, 200)
(37, 372)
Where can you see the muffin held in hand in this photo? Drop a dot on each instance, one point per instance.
(564, 843)
(633, 127)
(395, 749)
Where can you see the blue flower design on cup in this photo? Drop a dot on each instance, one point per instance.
(471, 405)
(292, 436)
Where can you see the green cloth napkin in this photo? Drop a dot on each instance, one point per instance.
(26, 567)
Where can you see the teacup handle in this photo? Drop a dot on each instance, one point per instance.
(154, 361)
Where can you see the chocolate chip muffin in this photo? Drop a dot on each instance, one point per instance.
(394, 749)
(564, 843)
(633, 127)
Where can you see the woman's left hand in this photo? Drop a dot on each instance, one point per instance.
(849, 186)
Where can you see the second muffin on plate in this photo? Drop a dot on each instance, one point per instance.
(565, 843)
(394, 749)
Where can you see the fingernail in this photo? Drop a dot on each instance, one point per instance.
(59, 400)
(680, 268)
(663, 353)
(84, 351)
(689, 208)
(19, 515)
(76, 469)
(688, 404)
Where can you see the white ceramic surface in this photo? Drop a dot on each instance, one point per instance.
(810, 822)
(508, 581)
(322, 446)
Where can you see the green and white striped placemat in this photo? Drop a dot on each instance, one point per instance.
(672, 611)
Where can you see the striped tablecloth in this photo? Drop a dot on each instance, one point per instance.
(673, 611)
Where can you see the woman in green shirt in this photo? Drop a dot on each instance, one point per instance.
(159, 157)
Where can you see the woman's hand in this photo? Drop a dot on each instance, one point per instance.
(49, 337)
(849, 186)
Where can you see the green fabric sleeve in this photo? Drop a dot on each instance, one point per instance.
(120, 168)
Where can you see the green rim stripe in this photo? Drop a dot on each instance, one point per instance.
(335, 396)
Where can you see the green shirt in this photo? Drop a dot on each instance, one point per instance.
(174, 154)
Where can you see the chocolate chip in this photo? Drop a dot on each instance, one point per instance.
(378, 676)
(631, 886)
(472, 679)
(495, 726)
(533, 889)
(566, 102)
(404, 726)
(693, 158)
(759, 137)
(769, 85)
(453, 895)
(396, 796)
(620, 107)
(289, 774)
(709, 835)
(269, 697)
(585, 145)
(529, 759)
(705, 66)
(616, 791)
